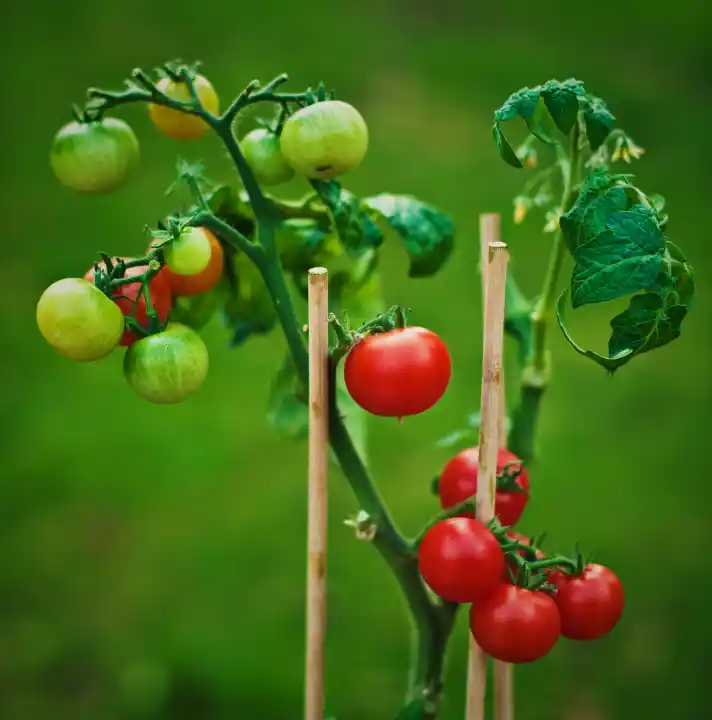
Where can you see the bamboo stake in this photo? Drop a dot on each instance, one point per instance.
(317, 507)
(503, 672)
(490, 410)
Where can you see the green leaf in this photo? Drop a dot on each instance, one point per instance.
(427, 233)
(537, 106)
(506, 151)
(301, 243)
(249, 310)
(655, 318)
(356, 229)
(197, 311)
(598, 120)
(651, 320)
(624, 258)
(287, 410)
(561, 99)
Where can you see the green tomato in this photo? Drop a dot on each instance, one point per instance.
(189, 253)
(95, 157)
(324, 140)
(263, 154)
(78, 320)
(167, 367)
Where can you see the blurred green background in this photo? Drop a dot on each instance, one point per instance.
(152, 558)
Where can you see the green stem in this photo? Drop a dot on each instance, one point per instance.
(535, 374)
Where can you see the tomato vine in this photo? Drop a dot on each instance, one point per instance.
(613, 232)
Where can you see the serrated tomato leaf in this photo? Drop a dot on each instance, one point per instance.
(427, 233)
(287, 410)
(355, 228)
(623, 259)
(598, 120)
(561, 99)
(556, 101)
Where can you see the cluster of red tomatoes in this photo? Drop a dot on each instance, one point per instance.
(84, 323)
(521, 601)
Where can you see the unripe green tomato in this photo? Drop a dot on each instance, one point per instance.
(95, 157)
(189, 253)
(78, 320)
(263, 154)
(167, 367)
(324, 140)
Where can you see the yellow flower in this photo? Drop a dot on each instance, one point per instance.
(521, 207)
(626, 150)
(527, 155)
(552, 221)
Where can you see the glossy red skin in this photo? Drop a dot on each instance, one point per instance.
(398, 373)
(516, 625)
(590, 604)
(125, 296)
(460, 560)
(458, 482)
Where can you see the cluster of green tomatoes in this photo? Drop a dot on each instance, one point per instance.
(128, 302)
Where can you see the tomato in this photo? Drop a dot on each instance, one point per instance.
(515, 625)
(591, 604)
(263, 152)
(125, 297)
(178, 125)
(324, 140)
(95, 157)
(206, 279)
(397, 373)
(460, 560)
(189, 253)
(167, 367)
(78, 320)
(458, 482)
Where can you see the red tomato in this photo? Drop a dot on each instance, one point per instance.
(591, 604)
(515, 625)
(189, 285)
(460, 560)
(125, 297)
(458, 482)
(398, 373)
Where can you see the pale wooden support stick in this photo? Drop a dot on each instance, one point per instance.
(490, 410)
(503, 672)
(317, 495)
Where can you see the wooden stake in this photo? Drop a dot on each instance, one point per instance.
(317, 515)
(490, 410)
(503, 672)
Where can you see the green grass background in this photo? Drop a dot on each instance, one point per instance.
(152, 558)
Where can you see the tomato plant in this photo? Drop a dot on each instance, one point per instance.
(516, 625)
(401, 372)
(241, 253)
(591, 603)
(458, 482)
(460, 560)
(94, 156)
